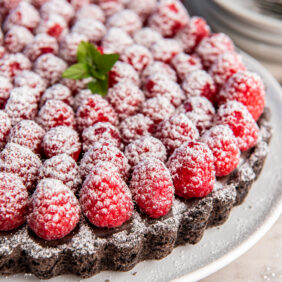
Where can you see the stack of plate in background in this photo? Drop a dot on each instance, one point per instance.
(254, 30)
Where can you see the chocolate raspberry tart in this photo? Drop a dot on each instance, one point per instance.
(126, 130)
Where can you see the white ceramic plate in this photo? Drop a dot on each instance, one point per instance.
(220, 245)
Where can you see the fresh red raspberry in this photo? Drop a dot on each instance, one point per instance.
(111, 7)
(50, 67)
(237, 117)
(142, 8)
(245, 87)
(192, 34)
(199, 110)
(161, 85)
(116, 40)
(164, 50)
(225, 66)
(95, 109)
(80, 97)
(147, 37)
(24, 15)
(106, 153)
(122, 71)
(78, 4)
(55, 210)
(90, 11)
(31, 80)
(92, 29)
(13, 202)
(145, 147)
(157, 109)
(69, 44)
(13, 64)
(42, 44)
(59, 7)
(21, 161)
(29, 134)
(158, 68)
(21, 105)
(125, 19)
(57, 92)
(105, 198)
(224, 147)
(126, 98)
(175, 131)
(55, 113)
(185, 64)
(199, 83)
(74, 85)
(17, 38)
(5, 88)
(5, 127)
(102, 132)
(62, 140)
(152, 187)
(213, 46)
(61, 167)
(135, 127)
(170, 17)
(192, 170)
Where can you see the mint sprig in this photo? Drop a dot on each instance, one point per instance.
(91, 63)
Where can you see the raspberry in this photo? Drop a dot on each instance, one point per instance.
(92, 29)
(38, 3)
(164, 50)
(61, 167)
(78, 4)
(138, 56)
(62, 140)
(80, 97)
(13, 202)
(135, 127)
(121, 72)
(17, 38)
(95, 109)
(2, 51)
(193, 33)
(102, 132)
(57, 92)
(175, 131)
(213, 46)
(55, 113)
(21, 105)
(192, 170)
(29, 134)
(105, 198)
(199, 83)
(157, 109)
(127, 20)
(161, 85)
(55, 211)
(158, 68)
(116, 40)
(50, 67)
(5, 88)
(7, 5)
(200, 111)
(126, 98)
(74, 85)
(42, 44)
(185, 64)
(147, 36)
(110, 7)
(225, 66)
(152, 188)
(22, 162)
(5, 126)
(170, 17)
(13, 64)
(69, 44)
(142, 8)
(106, 153)
(145, 147)
(24, 15)
(224, 147)
(92, 11)
(237, 117)
(245, 87)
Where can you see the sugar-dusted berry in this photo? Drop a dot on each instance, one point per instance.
(80, 97)
(5, 88)
(111, 7)
(147, 37)
(90, 11)
(142, 8)
(5, 127)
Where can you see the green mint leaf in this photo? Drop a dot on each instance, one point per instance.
(106, 62)
(82, 50)
(96, 74)
(87, 54)
(99, 86)
(77, 71)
